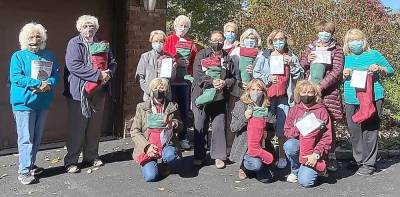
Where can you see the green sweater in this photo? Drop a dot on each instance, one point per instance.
(363, 62)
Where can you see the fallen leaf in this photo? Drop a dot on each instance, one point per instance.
(161, 189)
(238, 181)
(55, 160)
(89, 171)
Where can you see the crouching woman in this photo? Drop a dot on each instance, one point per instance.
(308, 129)
(153, 132)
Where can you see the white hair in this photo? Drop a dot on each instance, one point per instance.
(231, 24)
(82, 20)
(182, 18)
(156, 32)
(249, 32)
(27, 31)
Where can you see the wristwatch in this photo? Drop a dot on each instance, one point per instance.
(317, 156)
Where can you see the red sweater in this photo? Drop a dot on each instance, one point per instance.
(321, 139)
(170, 49)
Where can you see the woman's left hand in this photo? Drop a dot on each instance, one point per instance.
(311, 160)
(287, 60)
(374, 68)
(219, 84)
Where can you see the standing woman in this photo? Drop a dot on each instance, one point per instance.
(230, 32)
(150, 62)
(85, 112)
(183, 49)
(363, 108)
(280, 86)
(215, 110)
(329, 78)
(34, 75)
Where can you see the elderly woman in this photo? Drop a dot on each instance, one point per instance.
(151, 141)
(280, 85)
(363, 105)
(85, 109)
(330, 79)
(183, 49)
(213, 111)
(149, 65)
(33, 75)
(255, 95)
(230, 32)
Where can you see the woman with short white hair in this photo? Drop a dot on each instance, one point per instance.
(183, 49)
(33, 75)
(230, 32)
(85, 108)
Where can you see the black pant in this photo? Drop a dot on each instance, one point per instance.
(364, 136)
(214, 112)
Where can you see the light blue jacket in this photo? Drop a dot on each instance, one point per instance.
(22, 85)
(262, 71)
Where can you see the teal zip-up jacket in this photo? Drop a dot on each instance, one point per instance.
(363, 62)
(22, 85)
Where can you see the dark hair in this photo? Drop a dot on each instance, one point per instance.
(216, 32)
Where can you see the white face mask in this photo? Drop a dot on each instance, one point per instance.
(181, 30)
(88, 31)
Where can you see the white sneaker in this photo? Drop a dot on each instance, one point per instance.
(292, 178)
(281, 163)
(185, 144)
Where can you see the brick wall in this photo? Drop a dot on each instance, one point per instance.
(139, 25)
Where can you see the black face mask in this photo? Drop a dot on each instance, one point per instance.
(157, 94)
(217, 46)
(307, 99)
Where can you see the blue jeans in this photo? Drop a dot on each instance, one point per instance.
(30, 126)
(181, 95)
(280, 108)
(306, 176)
(150, 169)
(263, 173)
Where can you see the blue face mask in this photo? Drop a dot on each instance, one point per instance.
(230, 36)
(279, 44)
(356, 46)
(324, 36)
(256, 96)
(249, 43)
(157, 46)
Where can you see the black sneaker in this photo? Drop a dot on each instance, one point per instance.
(36, 170)
(365, 171)
(353, 165)
(26, 178)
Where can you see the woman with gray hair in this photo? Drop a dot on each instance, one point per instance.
(85, 111)
(153, 132)
(33, 75)
(183, 49)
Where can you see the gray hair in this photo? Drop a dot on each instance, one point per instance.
(156, 32)
(27, 30)
(82, 20)
(249, 32)
(231, 24)
(182, 18)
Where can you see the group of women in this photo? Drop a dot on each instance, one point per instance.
(248, 95)
(245, 93)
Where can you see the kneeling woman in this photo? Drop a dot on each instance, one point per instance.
(249, 120)
(153, 131)
(308, 129)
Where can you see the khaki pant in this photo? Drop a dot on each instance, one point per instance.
(84, 133)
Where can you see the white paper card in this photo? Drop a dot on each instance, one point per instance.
(165, 136)
(166, 68)
(323, 57)
(358, 79)
(308, 124)
(277, 66)
(41, 69)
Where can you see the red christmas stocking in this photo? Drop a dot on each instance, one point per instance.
(279, 88)
(255, 133)
(307, 145)
(366, 99)
(154, 138)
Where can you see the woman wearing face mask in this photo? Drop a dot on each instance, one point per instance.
(249, 125)
(215, 109)
(150, 62)
(230, 32)
(326, 75)
(280, 84)
(31, 95)
(183, 49)
(363, 107)
(308, 129)
(153, 132)
(85, 111)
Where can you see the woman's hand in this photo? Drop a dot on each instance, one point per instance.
(248, 114)
(311, 57)
(311, 160)
(346, 72)
(249, 69)
(182, 62)
(273, 79)
(218, 83)
(152, 151)
(287, 60)
(374, 68)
